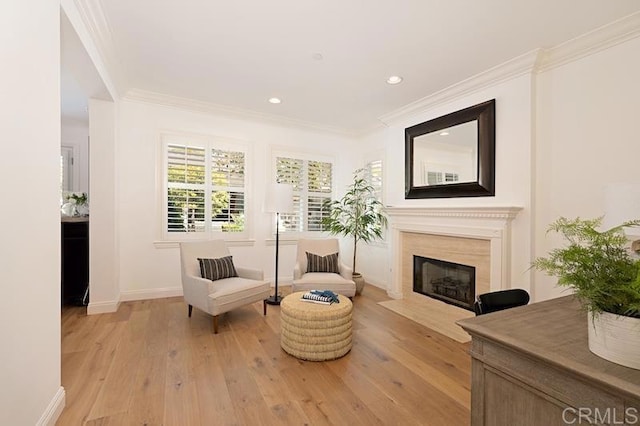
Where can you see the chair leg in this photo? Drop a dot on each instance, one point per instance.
(190, 309)
(264, 307)
(215, 324)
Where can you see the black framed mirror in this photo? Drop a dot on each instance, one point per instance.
(452, 155)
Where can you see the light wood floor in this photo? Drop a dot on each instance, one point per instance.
(149, 364)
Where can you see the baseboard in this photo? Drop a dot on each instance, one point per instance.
(394, 294)
(375, 283)
(54, 409)
(103, 307)
(152, 293)
(282, 282)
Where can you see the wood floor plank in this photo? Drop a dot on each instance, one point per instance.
(423, 367)
(146, 405)
(401, 385)
(115, 393)
(82, 392)
(181, 393)
(115, 420)
(150, 364)
(359, 383)
(213, 395)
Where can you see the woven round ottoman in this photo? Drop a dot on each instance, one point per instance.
(315, 332)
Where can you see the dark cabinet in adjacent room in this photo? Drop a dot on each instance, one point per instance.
(75, 261)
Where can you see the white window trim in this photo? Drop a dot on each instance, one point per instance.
(379, 155)
(68, 152)
(166, 239)
(293, 236)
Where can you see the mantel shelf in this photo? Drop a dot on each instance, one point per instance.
(500, 213)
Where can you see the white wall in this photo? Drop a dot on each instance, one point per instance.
(587, 137)
(75, 134)
(104, 291)
(562, 136)
(30, 254)
(147, 270)
(513, 171)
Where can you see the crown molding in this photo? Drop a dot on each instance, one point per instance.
(96, 24)
(518, 66)
(144, 96)
(602, 38)
(536, 61)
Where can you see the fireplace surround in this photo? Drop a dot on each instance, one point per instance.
(475, 236)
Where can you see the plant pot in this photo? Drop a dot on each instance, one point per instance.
(357, 278)
(615, 338)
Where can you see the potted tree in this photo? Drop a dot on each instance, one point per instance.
(358, 215)
(605, 277)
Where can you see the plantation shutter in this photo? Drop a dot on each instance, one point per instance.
(434, 178)
(451, 177)
(312, 183)
(205, 188)
(319, 190)
(373, 175)
(291, 171)
(186, 171)
(227, 190)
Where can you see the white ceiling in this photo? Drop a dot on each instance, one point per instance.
(79, 79)
(240, 53)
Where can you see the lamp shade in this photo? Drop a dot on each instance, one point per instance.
(622, 203)
(278, 198)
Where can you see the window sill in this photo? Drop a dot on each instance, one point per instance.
(282, 241)
(230, 243)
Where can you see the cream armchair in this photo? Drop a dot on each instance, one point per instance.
(341, 283)
(219, 296)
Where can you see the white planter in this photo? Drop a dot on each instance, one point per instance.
(615, 338)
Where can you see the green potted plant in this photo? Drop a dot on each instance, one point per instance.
(605, 277)
(357, 215)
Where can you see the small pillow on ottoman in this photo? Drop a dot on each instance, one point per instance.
(217, 269)
(328, 263)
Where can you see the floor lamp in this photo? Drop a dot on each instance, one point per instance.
(279, 199)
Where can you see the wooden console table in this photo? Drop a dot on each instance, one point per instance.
(532, 366)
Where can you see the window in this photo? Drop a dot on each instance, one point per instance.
(437, 178)
(312, 186)
(66, 169)
(205, 187)
(373, 174)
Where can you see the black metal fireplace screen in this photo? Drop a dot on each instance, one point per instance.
(452, 283)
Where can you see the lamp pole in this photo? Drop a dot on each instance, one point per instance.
(279, 199)
(275, 299)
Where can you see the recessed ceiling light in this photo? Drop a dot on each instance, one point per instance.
(394, 79)
(274, 100)
(445, 133)
(317, 56)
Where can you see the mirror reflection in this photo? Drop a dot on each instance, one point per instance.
(446, 156)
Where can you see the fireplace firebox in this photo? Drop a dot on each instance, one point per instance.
(449, 282)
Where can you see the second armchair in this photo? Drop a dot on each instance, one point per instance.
(318, 267)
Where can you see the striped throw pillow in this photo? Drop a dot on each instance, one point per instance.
(217, 269)
(328, 263)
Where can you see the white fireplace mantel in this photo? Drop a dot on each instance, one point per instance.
(492, 213)
(487, 223)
